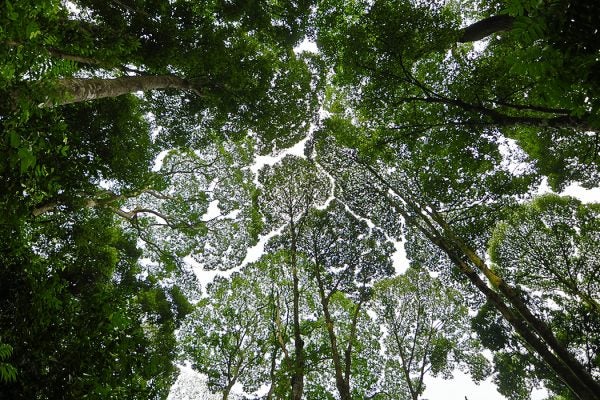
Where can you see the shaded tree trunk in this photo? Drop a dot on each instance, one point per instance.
(226, 391)
(342, 382)
(486, 27)
(298, 366)
(272, 370)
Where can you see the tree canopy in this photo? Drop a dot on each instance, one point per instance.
(133, 135)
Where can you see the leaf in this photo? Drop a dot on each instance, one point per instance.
(27, 159)
(8, 373)
(5, 351)
(14, 139)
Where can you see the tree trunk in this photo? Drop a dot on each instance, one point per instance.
(342, 384)
(271, 391)
(486, 27)
(226, 392)
(75, 90)
(571, 379)
(298, 372)
(534, 331)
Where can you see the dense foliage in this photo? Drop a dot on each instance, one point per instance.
(132, 133)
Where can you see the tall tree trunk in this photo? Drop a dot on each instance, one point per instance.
(272, 371)
(534, 331)
(342, 384)
(486, 27)
(75, 90)
(571, 379)
(513, 297)
(298, 372)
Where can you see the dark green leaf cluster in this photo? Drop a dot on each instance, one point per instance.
(76, 313)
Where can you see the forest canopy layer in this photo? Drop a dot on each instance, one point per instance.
(134, 136)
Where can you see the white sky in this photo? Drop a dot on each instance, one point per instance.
(458, 388)
(437, 388)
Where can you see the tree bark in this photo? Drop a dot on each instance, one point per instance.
(75, 90)
(226, 391)
(486, 27)
(499, 118)
(298, 367)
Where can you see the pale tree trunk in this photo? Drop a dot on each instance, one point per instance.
(75, 90)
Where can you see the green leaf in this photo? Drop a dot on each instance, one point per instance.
(8, 373)
(27, 159)
(5, 351)
(15, 139)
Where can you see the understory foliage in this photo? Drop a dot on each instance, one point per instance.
(132, 133)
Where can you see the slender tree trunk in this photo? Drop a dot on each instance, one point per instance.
(539, 326)
(556, 119)
(565, 374)
(298, 372)
(75, 90)
(534, 331)
(342, 384)
(226, 391)
(486, 27)
(272, 370)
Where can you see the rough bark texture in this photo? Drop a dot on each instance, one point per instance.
(75, 90)
(486, 27)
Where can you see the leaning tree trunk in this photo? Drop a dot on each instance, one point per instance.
(533, 330)
(486, 27)
(75, 90)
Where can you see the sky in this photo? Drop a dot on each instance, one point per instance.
(458, 388)
(191, 385)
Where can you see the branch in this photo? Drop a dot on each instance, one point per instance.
(541, 109)
(486, 27)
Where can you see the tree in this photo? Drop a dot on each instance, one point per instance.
(345, 257)
(290, 191)
(559, 236)
(425, 327)
(58, 151)
(393, 60)
(229, 334)
(218, 58)
(548, 248)
(70, 163)
(454, 232)
(203, 207)
(81, 319)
